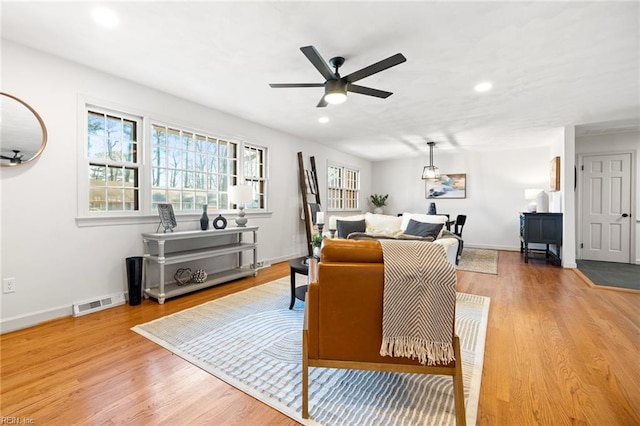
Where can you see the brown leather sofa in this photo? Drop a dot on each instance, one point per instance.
(343, 318)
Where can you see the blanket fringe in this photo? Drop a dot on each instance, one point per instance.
(429, 353)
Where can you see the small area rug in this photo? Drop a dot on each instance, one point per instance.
(252, 341)
(479, 260)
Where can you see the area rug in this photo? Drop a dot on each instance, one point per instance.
(252, 341)
(479, 260)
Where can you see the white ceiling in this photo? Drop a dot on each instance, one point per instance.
(552, 64)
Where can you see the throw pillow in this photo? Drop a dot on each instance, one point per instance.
(345, 227)
(422, 229)
(382, 224)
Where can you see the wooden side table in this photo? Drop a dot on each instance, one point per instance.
(541, 228)
(299, 266)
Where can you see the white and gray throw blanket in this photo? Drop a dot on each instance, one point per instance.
(418, 302)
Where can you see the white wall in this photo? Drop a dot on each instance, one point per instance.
(609, 144)
(57, 263)
(563, 146)
(495, 190)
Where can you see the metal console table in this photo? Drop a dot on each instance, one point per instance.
(185, 246)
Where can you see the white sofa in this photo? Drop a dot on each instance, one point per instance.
(395, 226)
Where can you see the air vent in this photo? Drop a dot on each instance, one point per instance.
(83, 308)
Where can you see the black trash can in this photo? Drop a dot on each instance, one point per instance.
(134, 278)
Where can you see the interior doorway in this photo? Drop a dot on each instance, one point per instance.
(605, 226)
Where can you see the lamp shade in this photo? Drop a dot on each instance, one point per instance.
(430, 172)
(531, 194)
(240, 194)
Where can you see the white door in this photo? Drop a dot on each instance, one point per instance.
(606, 207)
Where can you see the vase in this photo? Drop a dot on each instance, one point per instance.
(378, 210)
(204, 219)
(220, 222)
(432, 208)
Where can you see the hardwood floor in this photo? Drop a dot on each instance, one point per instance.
(557, 352)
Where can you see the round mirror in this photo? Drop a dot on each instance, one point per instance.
(23, 135)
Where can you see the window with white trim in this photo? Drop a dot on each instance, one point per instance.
(343, 184)
(130, 171)
(190, 169)
(254, 160)
(113, 155)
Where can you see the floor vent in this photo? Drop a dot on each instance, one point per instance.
(96, 305)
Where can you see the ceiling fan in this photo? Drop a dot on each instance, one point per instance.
(335, 86)
(16, 159)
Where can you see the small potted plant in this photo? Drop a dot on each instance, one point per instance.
(316, 242)
(379, 201)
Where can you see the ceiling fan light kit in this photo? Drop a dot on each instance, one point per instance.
(335, 86)
(335, 92)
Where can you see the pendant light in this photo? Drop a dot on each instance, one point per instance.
(430, 172)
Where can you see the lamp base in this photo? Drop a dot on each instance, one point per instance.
(241, 221)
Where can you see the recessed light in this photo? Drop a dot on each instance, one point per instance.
(105, 17)
(485, 86)
(323, 120)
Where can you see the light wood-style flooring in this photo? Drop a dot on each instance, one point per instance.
(558, 352)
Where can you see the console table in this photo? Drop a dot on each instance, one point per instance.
(179, 247)
(541, 228)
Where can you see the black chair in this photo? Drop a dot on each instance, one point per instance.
(458, 225)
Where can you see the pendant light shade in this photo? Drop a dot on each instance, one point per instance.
(430, 172)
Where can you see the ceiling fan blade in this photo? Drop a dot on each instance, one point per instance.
(4, 157)
(285, 85)
(322, 103)
(368, 91)
(391, 61)
(321, 65)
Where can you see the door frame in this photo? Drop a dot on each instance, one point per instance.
(579, 196)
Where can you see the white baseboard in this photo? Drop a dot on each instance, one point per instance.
(491, 247)
(19, 322)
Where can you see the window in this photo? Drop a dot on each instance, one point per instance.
(190, 169)
(133, 163)
(255, 174)
(114, 160)
(343, 188)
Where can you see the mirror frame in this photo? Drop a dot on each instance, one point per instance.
(43, 144)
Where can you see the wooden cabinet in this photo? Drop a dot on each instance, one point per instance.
(541, 228)
(179, 247)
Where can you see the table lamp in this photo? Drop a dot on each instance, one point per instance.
(531, 195)
(241, 195)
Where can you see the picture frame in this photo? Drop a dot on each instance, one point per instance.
(167, 217)
(554, 175)
(451, 185)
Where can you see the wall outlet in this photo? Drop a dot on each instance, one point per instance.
(9, 285)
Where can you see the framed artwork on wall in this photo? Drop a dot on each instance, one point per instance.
(453, 185)
(554, 181)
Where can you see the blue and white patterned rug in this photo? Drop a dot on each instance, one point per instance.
(252, 341)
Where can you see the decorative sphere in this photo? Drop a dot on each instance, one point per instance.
(199, 276)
